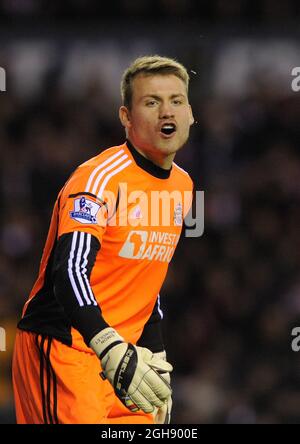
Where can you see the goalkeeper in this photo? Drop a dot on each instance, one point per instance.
(89, 346)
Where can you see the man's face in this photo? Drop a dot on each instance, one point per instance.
(160, 116)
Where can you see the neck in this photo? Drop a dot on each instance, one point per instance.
(147, 164)
(159, 159)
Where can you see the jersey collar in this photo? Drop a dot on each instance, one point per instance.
(146, 164)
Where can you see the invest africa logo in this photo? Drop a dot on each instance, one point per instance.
(153, 245)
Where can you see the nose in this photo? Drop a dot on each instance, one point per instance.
(165, 111)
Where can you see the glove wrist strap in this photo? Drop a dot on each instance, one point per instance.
(103, 341)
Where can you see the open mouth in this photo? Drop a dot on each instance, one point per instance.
(168, 128)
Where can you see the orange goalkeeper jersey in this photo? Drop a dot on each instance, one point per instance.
(135, 209)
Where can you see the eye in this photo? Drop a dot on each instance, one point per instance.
(151, 103)
(177, 102)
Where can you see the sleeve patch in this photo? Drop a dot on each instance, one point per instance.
(85, 211)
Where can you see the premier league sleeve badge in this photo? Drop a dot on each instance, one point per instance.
(85, 211)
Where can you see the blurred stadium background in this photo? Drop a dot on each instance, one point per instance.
(232, 296)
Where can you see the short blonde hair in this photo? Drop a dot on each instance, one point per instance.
(150, 65)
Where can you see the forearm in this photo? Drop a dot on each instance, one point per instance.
(73, 262)
(130, 369)
(151, 336)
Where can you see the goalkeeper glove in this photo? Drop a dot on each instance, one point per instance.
(162, 415)
(132, 371)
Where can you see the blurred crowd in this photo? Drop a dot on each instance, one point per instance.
(232, 296)
(219, 11)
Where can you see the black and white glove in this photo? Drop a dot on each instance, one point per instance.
(134, 372)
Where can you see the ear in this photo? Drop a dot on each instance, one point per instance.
(124, 115)
(191, 117)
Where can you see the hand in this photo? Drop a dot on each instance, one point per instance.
(162, 415)
(132, 371)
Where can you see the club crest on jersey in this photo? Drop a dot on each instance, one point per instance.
(178, 214)
(136, 213)
(85, 211)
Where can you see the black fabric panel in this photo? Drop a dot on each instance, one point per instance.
(151, 336)
(146, 164)
(86, 318)
(63, 289)
(88, 321)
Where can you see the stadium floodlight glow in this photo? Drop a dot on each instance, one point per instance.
(2, 79)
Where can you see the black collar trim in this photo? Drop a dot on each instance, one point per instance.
(147, 165)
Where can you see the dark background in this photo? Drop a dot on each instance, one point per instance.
(232, 296)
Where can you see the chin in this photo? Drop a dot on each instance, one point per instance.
(171, 147)
(167, 149)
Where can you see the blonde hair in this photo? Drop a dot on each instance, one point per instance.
(150, 65)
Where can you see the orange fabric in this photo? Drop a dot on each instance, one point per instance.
(130, 267)
(133, 260)
(82, 397)
(119, 414)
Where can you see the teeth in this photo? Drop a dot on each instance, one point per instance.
(168, 128)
